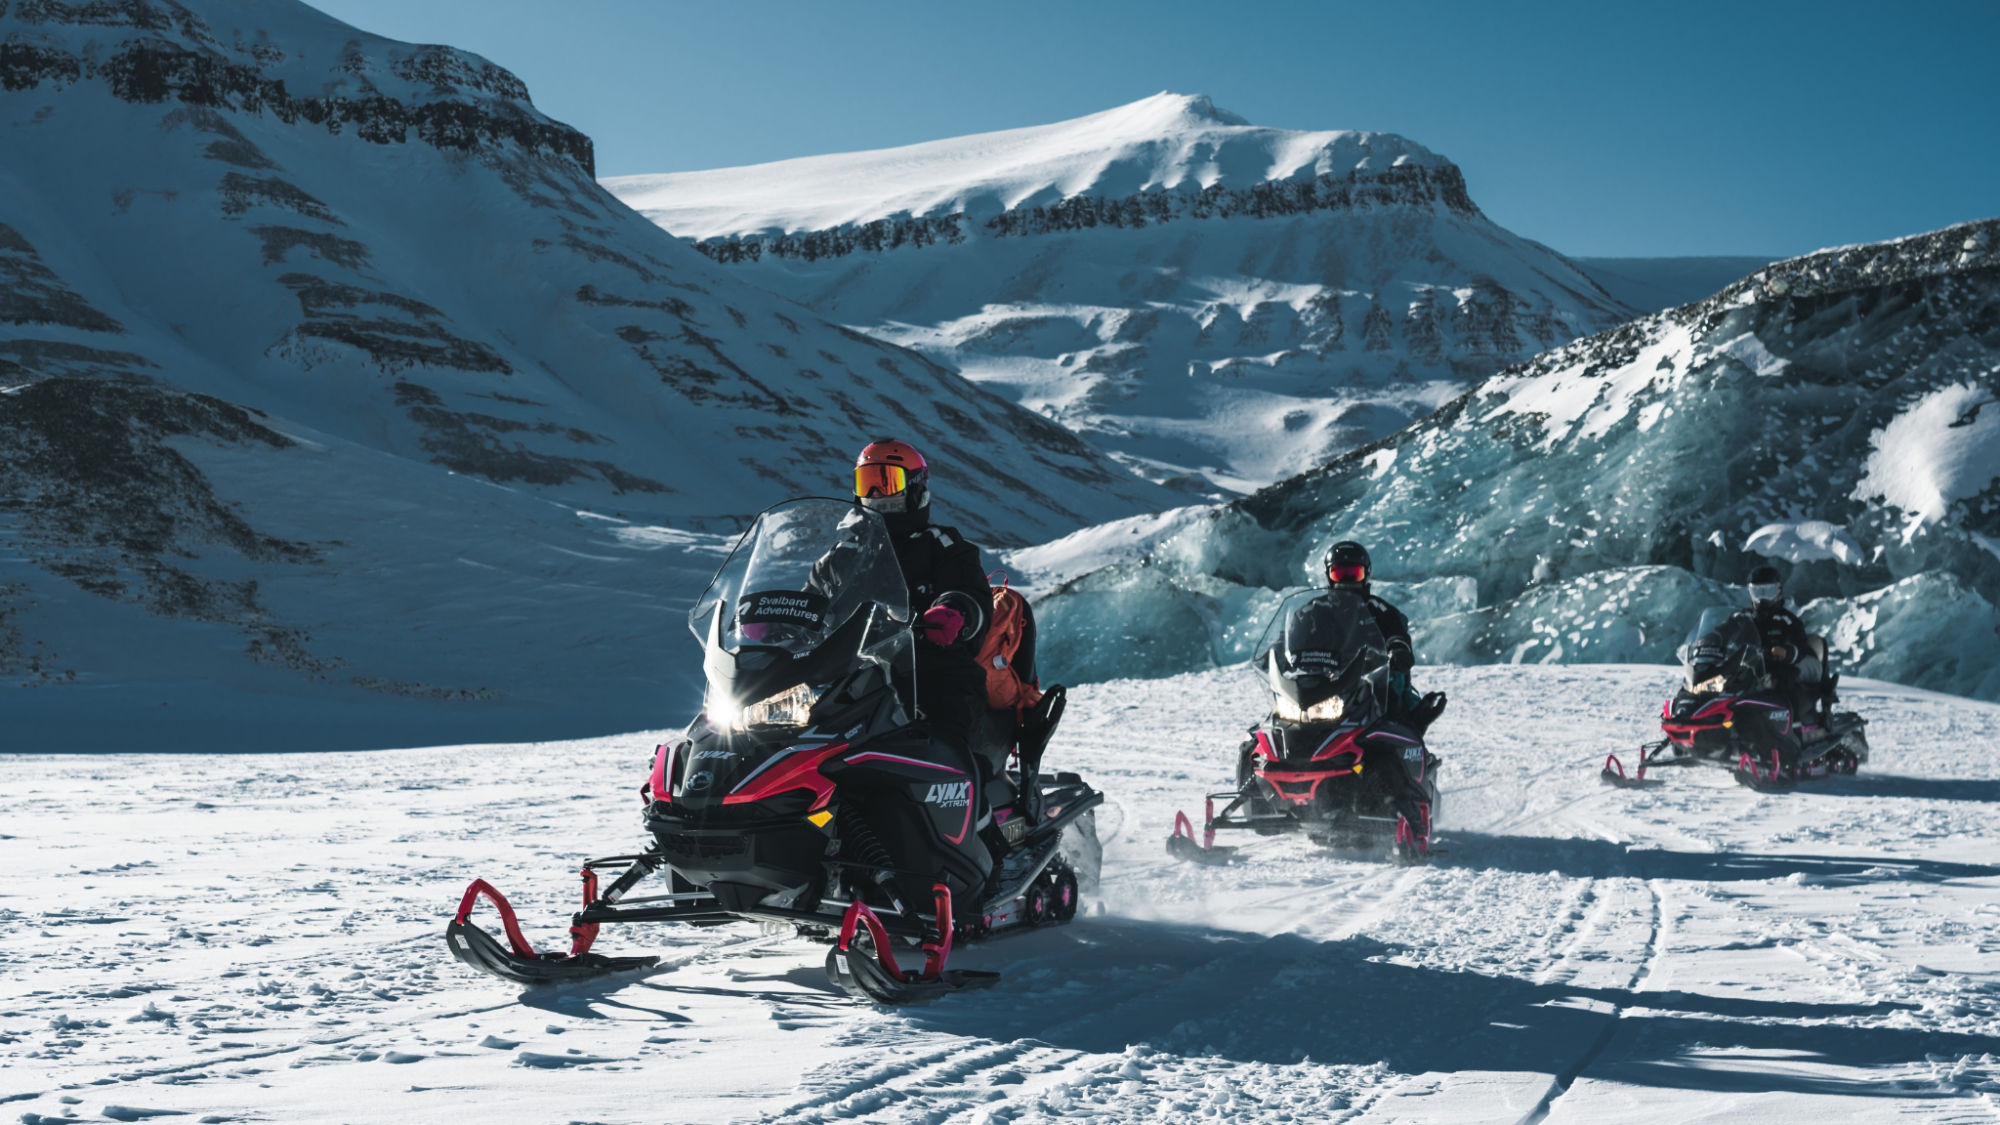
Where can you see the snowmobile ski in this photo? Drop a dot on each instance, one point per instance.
(1182, 844)
(517, 961)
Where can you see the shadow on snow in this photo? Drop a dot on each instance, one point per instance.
(1102, 985)
(1599, 859)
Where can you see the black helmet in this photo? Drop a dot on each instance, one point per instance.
(1346, 564)
(1766, 586)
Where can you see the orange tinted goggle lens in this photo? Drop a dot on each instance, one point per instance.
(879, 480)
(1348, 573)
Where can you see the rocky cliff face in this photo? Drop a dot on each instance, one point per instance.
(250, 252)
(1403, 185)
(478, 104)
(1214, 303)
(1831, 412)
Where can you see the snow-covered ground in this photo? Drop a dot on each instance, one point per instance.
(259, 938)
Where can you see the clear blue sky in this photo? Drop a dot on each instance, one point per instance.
(1600, 128)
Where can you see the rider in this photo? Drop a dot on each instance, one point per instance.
(1347, 568)
(1792, 669)
(947, 586)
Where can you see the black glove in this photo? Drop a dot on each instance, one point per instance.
(1427, 710)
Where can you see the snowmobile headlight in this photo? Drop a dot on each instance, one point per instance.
(1713, 684)
(788, 708)
(1325, 711)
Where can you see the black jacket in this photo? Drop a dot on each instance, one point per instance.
(935, 560)
(1780, 640)
(1395, 628)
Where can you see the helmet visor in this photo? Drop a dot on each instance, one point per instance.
(1767, 591)
(1345, 574)
(879, 480)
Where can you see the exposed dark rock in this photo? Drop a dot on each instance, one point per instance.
(872, 237)
(467, 443)
(100, 497)
(394, 344)
(280, 241)
(48, 358)
(155, 70)
(1400, 186)
(673, 306)
(240, 193)
(31, 293)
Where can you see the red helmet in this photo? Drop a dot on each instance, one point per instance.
(890, 477)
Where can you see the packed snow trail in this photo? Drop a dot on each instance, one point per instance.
(258, 937)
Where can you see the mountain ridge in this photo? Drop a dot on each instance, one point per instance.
(1216, 305)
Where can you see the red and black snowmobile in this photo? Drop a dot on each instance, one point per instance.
(1728, 714)
(803, 794)
(1332, 759)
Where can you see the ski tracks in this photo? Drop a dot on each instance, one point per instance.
(1151, 1036)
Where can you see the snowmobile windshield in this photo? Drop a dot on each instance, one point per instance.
(1324, 658)
(804, 570)
(1722, 641)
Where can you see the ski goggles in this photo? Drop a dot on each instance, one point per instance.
(879, 480)
(1347, 573)
(1767, 591)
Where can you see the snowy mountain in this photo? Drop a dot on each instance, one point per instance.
(258, 938)
(1218, 304)
(1829, 412)
(332, 378)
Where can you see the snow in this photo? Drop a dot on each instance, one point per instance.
(1166, 141)
(1041, 568)
(1582, 401)
(1748, 350)
(258, 937)
(1805, 541)
(1942, 448)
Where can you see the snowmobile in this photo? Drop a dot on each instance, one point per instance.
(1733, 720)
(1326, 760)
(804, 795)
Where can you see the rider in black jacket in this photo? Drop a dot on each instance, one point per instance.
(1790, 667)
(1348, 568)
(1320, 625)
(947, 587)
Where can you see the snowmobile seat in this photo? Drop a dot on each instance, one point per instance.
(1812, 662)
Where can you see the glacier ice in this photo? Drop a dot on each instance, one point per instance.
(1828, 412)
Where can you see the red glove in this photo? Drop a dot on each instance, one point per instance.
(940, 625)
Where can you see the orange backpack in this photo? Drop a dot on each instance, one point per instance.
(1005, 689)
